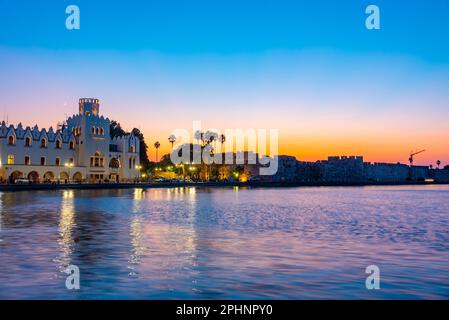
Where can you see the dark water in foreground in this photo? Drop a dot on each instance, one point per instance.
(226, 243)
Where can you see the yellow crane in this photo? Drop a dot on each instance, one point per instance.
(412, 154)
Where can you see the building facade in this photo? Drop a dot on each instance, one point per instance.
(79, 150)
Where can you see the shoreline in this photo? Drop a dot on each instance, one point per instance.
(99, 186)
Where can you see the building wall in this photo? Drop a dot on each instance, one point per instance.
(85, 149)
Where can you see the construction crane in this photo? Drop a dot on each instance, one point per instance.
(412, 154)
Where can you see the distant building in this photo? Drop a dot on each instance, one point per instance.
(80, 150)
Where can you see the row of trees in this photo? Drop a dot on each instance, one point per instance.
(438, 165)
(206, 138)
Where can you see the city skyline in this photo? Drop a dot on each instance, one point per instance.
(330, 86)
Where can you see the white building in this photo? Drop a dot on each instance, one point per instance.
(81, 150)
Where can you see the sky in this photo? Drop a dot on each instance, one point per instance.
(308, 68)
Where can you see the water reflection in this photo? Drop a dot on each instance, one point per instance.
(226, 243)
(137, 244)
(66, 225)
(1, 215)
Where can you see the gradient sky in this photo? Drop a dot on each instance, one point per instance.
(308, 68)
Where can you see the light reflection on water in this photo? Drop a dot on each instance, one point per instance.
(226, 243)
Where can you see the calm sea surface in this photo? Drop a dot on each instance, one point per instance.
(290, 243)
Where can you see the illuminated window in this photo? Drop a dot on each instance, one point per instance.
(97, 160)
(10, 159)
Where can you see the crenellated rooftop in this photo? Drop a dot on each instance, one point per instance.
(20, 132)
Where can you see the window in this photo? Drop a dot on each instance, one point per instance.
(71, 145)
(97, 131)
(132, 149)
(27, 160)
(130, 163)
(97, 160)
(44, 143)
(10, 159)
(101, 131)
(71, 161)
(58, 161)
(43, 161)
(58, 144)
(93, 130)
(27, 142)
(11, 140)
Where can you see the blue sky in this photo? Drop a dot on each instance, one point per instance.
(417, 27)
(310, 68)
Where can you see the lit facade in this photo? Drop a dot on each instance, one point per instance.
(79, 150)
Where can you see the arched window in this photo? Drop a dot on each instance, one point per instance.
(132, 149)
(27, 142)
(97, 131)
(97, 160)
(44, 143)
(101, 131)
(71, 145)
(93, 130)
(58, 144)
(11, 140)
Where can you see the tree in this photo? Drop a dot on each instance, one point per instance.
(143, 149)
(438, 164)
(172, 140)
(157, 145)
(198, 136)
(115, 130)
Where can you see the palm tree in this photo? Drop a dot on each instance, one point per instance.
(438, 164)
(172, 139)
(198, 136)
(222, 141)
(157, 145)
